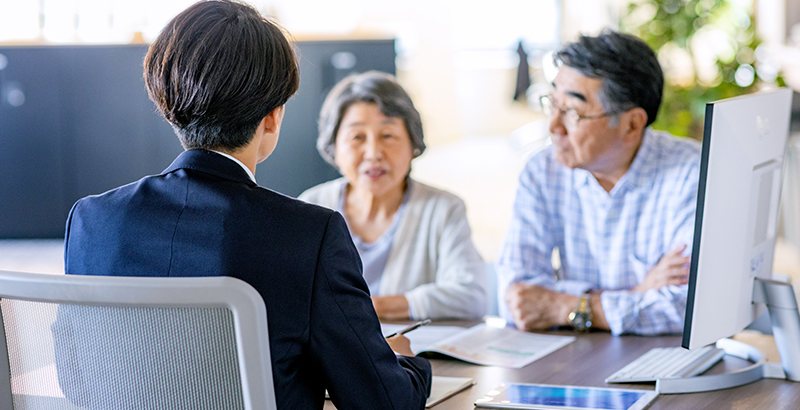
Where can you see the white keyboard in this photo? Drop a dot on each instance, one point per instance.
(667, 362)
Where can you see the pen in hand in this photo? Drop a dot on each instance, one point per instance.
(410, 328)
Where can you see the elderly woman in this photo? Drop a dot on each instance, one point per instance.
(414, 240)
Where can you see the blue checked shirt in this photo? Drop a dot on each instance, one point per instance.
(607, 240)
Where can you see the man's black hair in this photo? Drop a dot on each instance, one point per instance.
(216, 70)
(629, 68)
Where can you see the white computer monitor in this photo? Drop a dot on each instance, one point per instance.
(738, 202)
(744, 141)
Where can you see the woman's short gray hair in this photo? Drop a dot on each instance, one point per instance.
(374, 87)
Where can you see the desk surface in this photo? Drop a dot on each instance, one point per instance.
(593, 357)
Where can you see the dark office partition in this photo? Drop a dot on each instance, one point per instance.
(117, 135)
(296, 165)
(31, 145)
(76, 121)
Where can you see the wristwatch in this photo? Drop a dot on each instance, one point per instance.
(581, 318)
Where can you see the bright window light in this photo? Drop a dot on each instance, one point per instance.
(59, 21)
(94, 21)
(19, 20)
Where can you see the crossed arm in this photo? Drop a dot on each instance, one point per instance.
(534, 307)
(626, 297)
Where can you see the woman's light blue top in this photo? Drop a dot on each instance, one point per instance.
(374, 254)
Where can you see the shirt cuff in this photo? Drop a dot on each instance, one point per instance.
(614, 303)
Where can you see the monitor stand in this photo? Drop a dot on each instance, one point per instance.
(783, 312)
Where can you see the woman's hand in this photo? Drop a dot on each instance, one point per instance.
(672, 269)
(401, 345)
(394, 307)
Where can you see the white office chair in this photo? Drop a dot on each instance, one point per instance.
(96, 342)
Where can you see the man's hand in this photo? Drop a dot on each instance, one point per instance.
(672, 269)
(401, 345)
(534, 307)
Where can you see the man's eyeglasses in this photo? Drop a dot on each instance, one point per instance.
(570, 117)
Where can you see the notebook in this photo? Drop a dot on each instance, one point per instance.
(444, 388)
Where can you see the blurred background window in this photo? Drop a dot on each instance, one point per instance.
(459, 60)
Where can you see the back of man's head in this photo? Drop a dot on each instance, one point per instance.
(629, 68)
(216, 70)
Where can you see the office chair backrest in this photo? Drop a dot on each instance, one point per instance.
(95, 342)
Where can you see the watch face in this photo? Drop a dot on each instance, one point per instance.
(581, 318)
(580, 321)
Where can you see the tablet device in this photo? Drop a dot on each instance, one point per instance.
(543, 396)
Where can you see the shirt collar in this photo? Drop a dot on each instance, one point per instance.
(249, 173)
(643, 163)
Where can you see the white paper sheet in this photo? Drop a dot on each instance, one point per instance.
(483, 344)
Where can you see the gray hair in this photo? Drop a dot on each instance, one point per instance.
(629, 68)
(373, 87)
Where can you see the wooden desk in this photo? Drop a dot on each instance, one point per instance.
(594, 356)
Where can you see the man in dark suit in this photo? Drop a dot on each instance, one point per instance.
(220, 74)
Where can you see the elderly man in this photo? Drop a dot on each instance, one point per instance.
(616, 199)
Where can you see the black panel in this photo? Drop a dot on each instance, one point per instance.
(117, 135)
(31, 141)
(698, 225)
(86, 126)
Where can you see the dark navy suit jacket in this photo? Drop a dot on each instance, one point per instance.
(204, 217)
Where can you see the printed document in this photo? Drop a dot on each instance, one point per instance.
(482, 344)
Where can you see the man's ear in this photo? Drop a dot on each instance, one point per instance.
(272, 122)
(634, 122)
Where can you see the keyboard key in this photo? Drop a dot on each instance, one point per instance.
(667, 362)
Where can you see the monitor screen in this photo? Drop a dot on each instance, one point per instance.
(737, 212)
